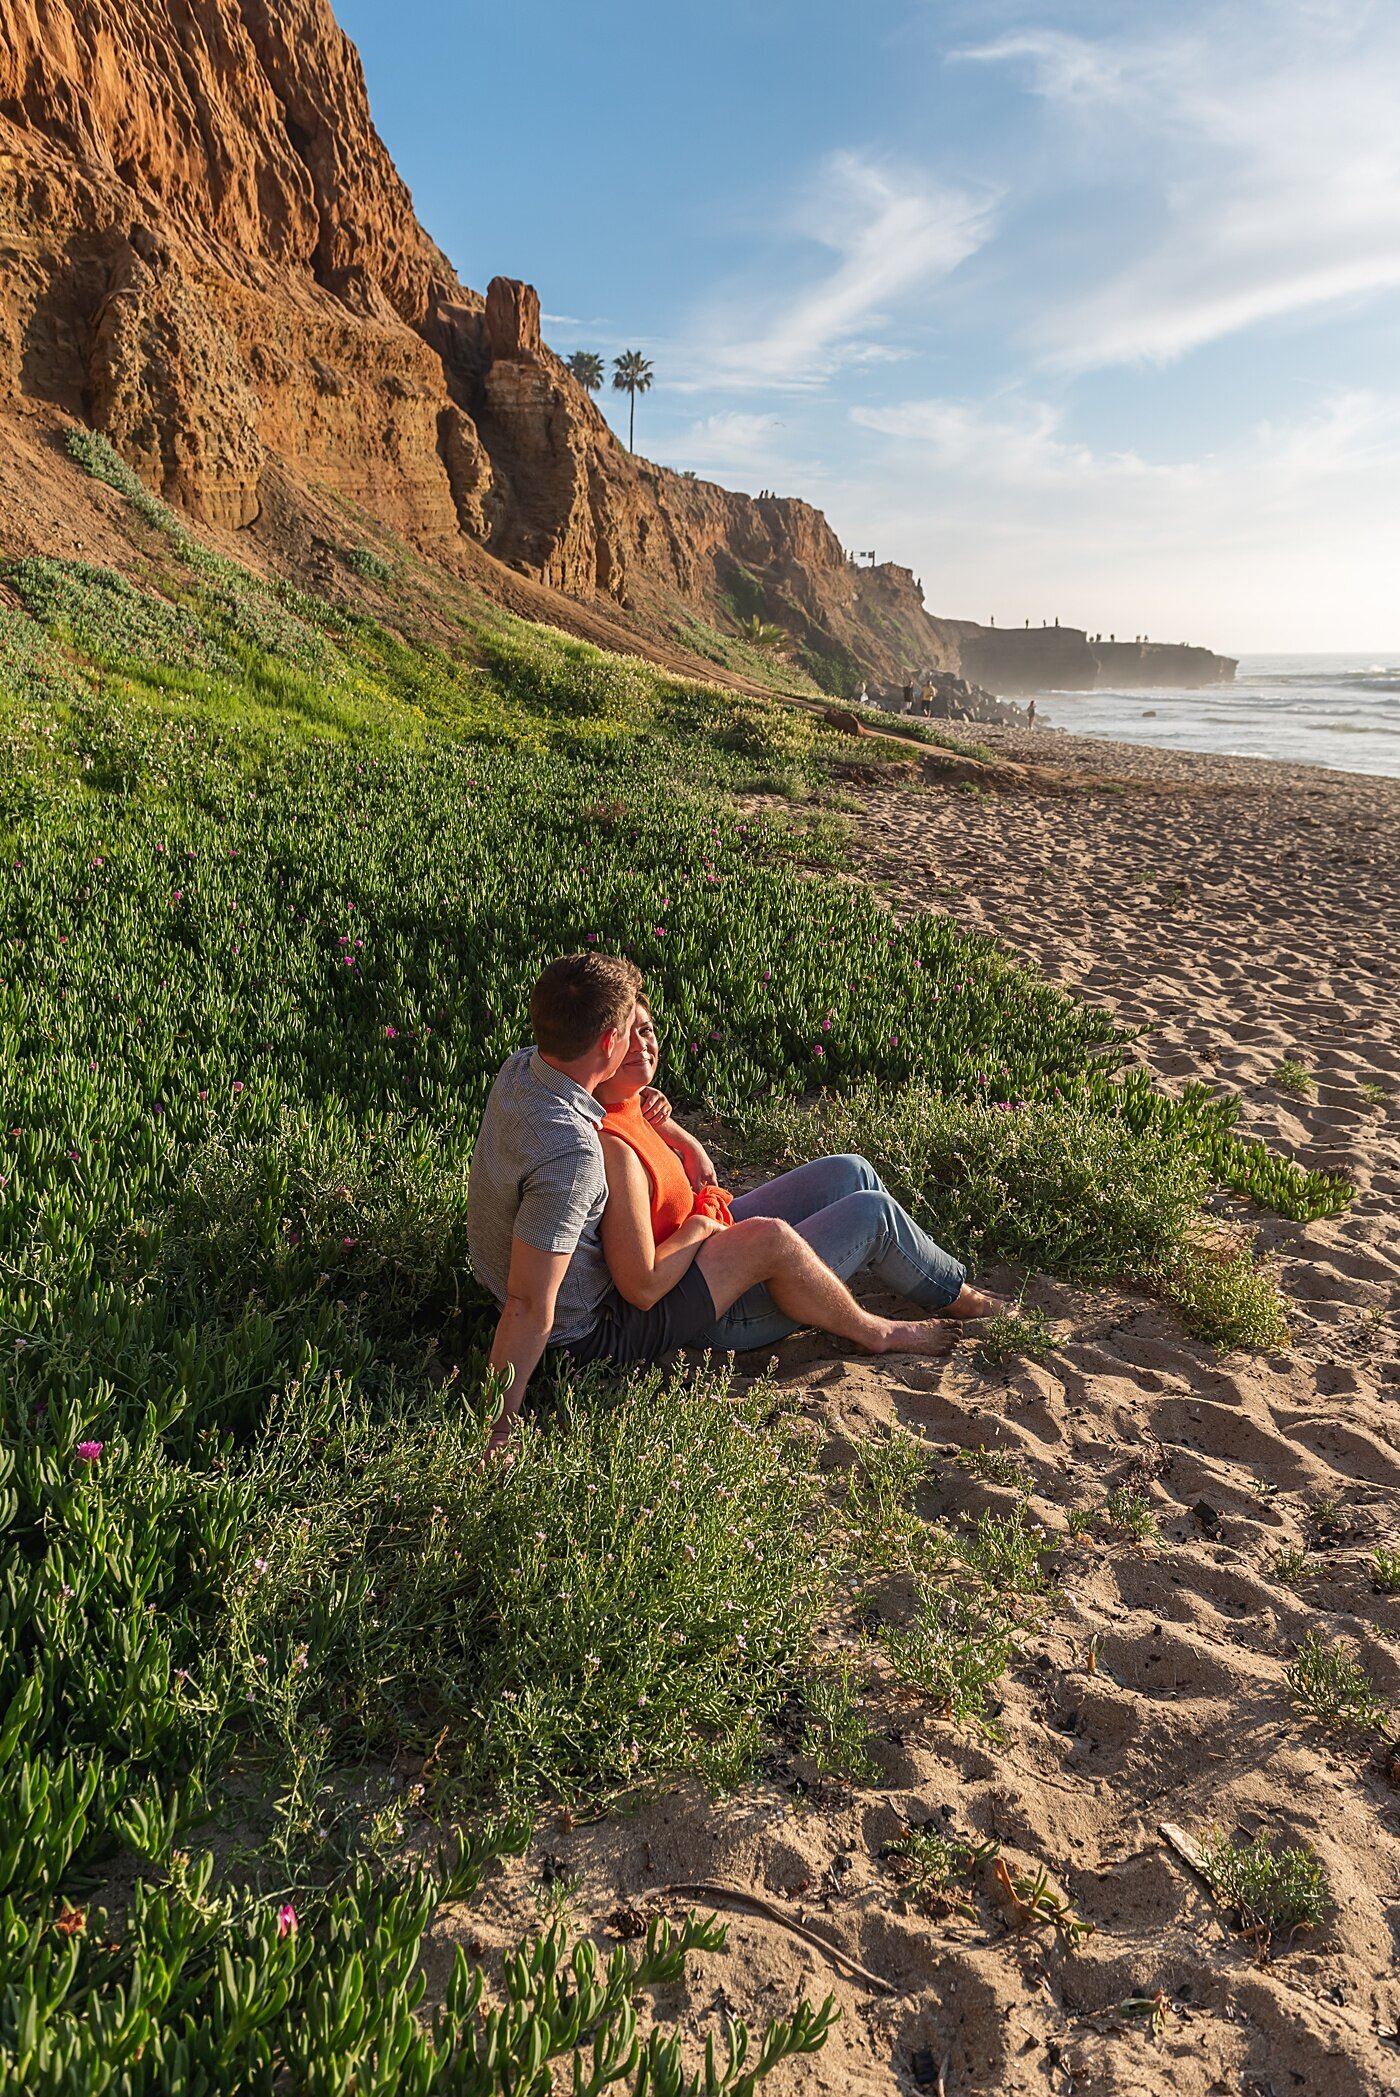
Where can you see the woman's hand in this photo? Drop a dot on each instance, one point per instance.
(656, 1108)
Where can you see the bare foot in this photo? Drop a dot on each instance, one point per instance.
(919, 1336)
(976, 1303)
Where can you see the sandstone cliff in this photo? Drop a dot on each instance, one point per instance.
(206, 252)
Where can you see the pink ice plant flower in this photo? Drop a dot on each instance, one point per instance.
(286, 1920)
(88, 1452)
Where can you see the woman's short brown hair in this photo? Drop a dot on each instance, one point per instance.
(578, 999)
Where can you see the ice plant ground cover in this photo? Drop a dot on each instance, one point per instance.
(274, 881)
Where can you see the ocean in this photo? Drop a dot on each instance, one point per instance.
(1336, 710)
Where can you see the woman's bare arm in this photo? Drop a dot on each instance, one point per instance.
(643, 1271)
(699, 1165)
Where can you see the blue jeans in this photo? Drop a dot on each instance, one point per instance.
(853, 1223)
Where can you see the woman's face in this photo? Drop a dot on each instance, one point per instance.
(638, 1066)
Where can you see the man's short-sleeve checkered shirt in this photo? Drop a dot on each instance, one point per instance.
(537, 1174)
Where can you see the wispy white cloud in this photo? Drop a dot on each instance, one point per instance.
(1285, 538)
(744, 450)
(891, 237)
(1063, 66)
(1269, 136)
(729, 434)
(1012, 443)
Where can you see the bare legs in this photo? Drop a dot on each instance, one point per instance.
(765, 1249)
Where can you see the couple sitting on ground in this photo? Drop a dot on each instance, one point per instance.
(596, 1222)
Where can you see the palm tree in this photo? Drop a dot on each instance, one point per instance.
(587, 368)
(632, 375)
(759, 635)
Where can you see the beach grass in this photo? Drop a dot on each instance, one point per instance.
(1329, 1684)
(276, 881)
(1274, 1893)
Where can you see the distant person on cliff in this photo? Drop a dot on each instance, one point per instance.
(539, 1191)
(1030, 714)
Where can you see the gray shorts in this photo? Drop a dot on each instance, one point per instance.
(624, 1334)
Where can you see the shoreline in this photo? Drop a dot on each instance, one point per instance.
(1319, 724)
(1156, 761)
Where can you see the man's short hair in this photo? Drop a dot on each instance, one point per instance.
(578, 999)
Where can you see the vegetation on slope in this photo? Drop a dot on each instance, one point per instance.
(273, 887)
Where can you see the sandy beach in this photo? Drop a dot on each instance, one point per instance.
(1242, 914)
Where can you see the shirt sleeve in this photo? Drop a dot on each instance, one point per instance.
(558, 1200)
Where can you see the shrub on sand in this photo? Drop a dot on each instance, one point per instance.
(1330, 1684)
(934, 1868)
(1015, 1336)
(1059, 1186)
(1274, 1893)
(956, 1649)
(632, 1595)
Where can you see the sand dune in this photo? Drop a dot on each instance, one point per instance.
(1249, 918)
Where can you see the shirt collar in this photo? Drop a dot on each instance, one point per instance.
(568, 1089)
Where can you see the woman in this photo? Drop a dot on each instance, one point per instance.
(663, 1205)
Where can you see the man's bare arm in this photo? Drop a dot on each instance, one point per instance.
(532, 1289)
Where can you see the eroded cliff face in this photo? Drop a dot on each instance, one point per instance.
(206, 252)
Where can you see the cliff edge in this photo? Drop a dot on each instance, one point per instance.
(1015, 659)
(207, 254)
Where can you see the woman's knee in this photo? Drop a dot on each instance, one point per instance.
(877, 1212)
(858, 1172)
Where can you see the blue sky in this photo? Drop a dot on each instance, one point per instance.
(1082, 310)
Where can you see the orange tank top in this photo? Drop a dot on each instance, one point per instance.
(672, 1197)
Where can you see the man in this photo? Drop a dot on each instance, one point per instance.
(538, 1190)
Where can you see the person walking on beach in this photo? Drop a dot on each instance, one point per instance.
(1030, 714)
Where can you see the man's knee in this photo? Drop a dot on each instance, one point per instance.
(773, 1243)
(858, 1171)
